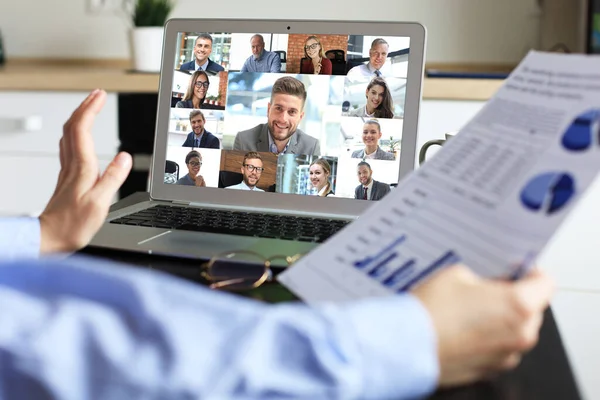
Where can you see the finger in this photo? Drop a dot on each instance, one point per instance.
(534, 290)
(75, 115)
(82, 145)
(112, 179)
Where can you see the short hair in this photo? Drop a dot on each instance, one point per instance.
(191, 155)
(321, 51)
(289, 85)
(364, 163)
(204, 36)
(378, 41)
(195, 113)
(258, 35)
(373, 122)
(252, 155)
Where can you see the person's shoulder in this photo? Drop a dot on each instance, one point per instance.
(355, 112)
(356, 154)
(187, 66)
(325, 60)
(213, 66)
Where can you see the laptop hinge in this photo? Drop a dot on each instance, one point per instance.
(181, 203)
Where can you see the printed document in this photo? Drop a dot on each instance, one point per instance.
(491, 198)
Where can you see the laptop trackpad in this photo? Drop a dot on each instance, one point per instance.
(198, 244)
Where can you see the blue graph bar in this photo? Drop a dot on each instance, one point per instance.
(365, 262)
(400, 273)
(446, 259)
(381, 267)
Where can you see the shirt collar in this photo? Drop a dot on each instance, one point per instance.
(370, 185)
(203, 66)
(273, 146)
(260, 56)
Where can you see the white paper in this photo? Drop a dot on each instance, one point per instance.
(491, 198)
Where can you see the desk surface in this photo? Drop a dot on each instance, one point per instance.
(114, 76)
(544, 373)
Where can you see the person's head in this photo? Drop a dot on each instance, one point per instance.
(371, 133)
(313, 47)
(364, 173)
(193, 160)
(203, 48)
(197, 120)
(285, 110)
(379, 98)
(252, 168)
(319, 173)
(197, 86)
(378, 53)
(258, 45)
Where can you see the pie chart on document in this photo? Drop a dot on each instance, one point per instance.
(583, 132)
(548, 192)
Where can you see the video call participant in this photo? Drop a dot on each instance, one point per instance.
(196, 91)
(280, 135)
(370, 137)
(252, 168)
(193, 160)
(369, 189)
(315, 62)
(379, 101)
(261, 60)
(319, 174)
(200, 137)
(202, 50)
(377, 57)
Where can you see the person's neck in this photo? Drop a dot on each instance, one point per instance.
(199, 134)
(249, 185)
(370, 149)
(197, 102)
(281, 144)
(200, 63)
(369, 109)
(368, 183)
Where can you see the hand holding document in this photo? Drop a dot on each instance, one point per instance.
(491, 198)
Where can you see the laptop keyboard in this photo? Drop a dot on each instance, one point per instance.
(235, 223)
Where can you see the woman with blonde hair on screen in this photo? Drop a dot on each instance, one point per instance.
(379, 101)
(319, 174)
(370, 137)
(315, 62)
(196, 91)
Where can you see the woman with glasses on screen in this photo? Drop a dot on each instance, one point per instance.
(319, 173)
(379, 101)
(193, 160)
(315, 61)
(370, 137)
(196, 91)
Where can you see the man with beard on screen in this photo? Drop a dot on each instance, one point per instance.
(280, 135)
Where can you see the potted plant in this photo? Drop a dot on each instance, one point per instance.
(147, 18)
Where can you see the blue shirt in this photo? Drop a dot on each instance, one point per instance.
(81, 328)
(267, 62)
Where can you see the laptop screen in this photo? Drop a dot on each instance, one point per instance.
(299, 114)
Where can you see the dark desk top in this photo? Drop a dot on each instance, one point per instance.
(544, 372)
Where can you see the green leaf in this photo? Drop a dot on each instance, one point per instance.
(151, 12)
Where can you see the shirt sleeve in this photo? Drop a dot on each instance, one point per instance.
(276, 64)
(19, 238)
(77, 328)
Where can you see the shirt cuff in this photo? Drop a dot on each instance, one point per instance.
(20, 237)
(398, 346)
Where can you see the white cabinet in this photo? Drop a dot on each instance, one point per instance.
(31, 125)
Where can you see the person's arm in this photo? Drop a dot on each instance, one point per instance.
(245, 66)
(276, 64)
(19, 238)
(92, 327)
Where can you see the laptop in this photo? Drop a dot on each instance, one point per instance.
(264, 148)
